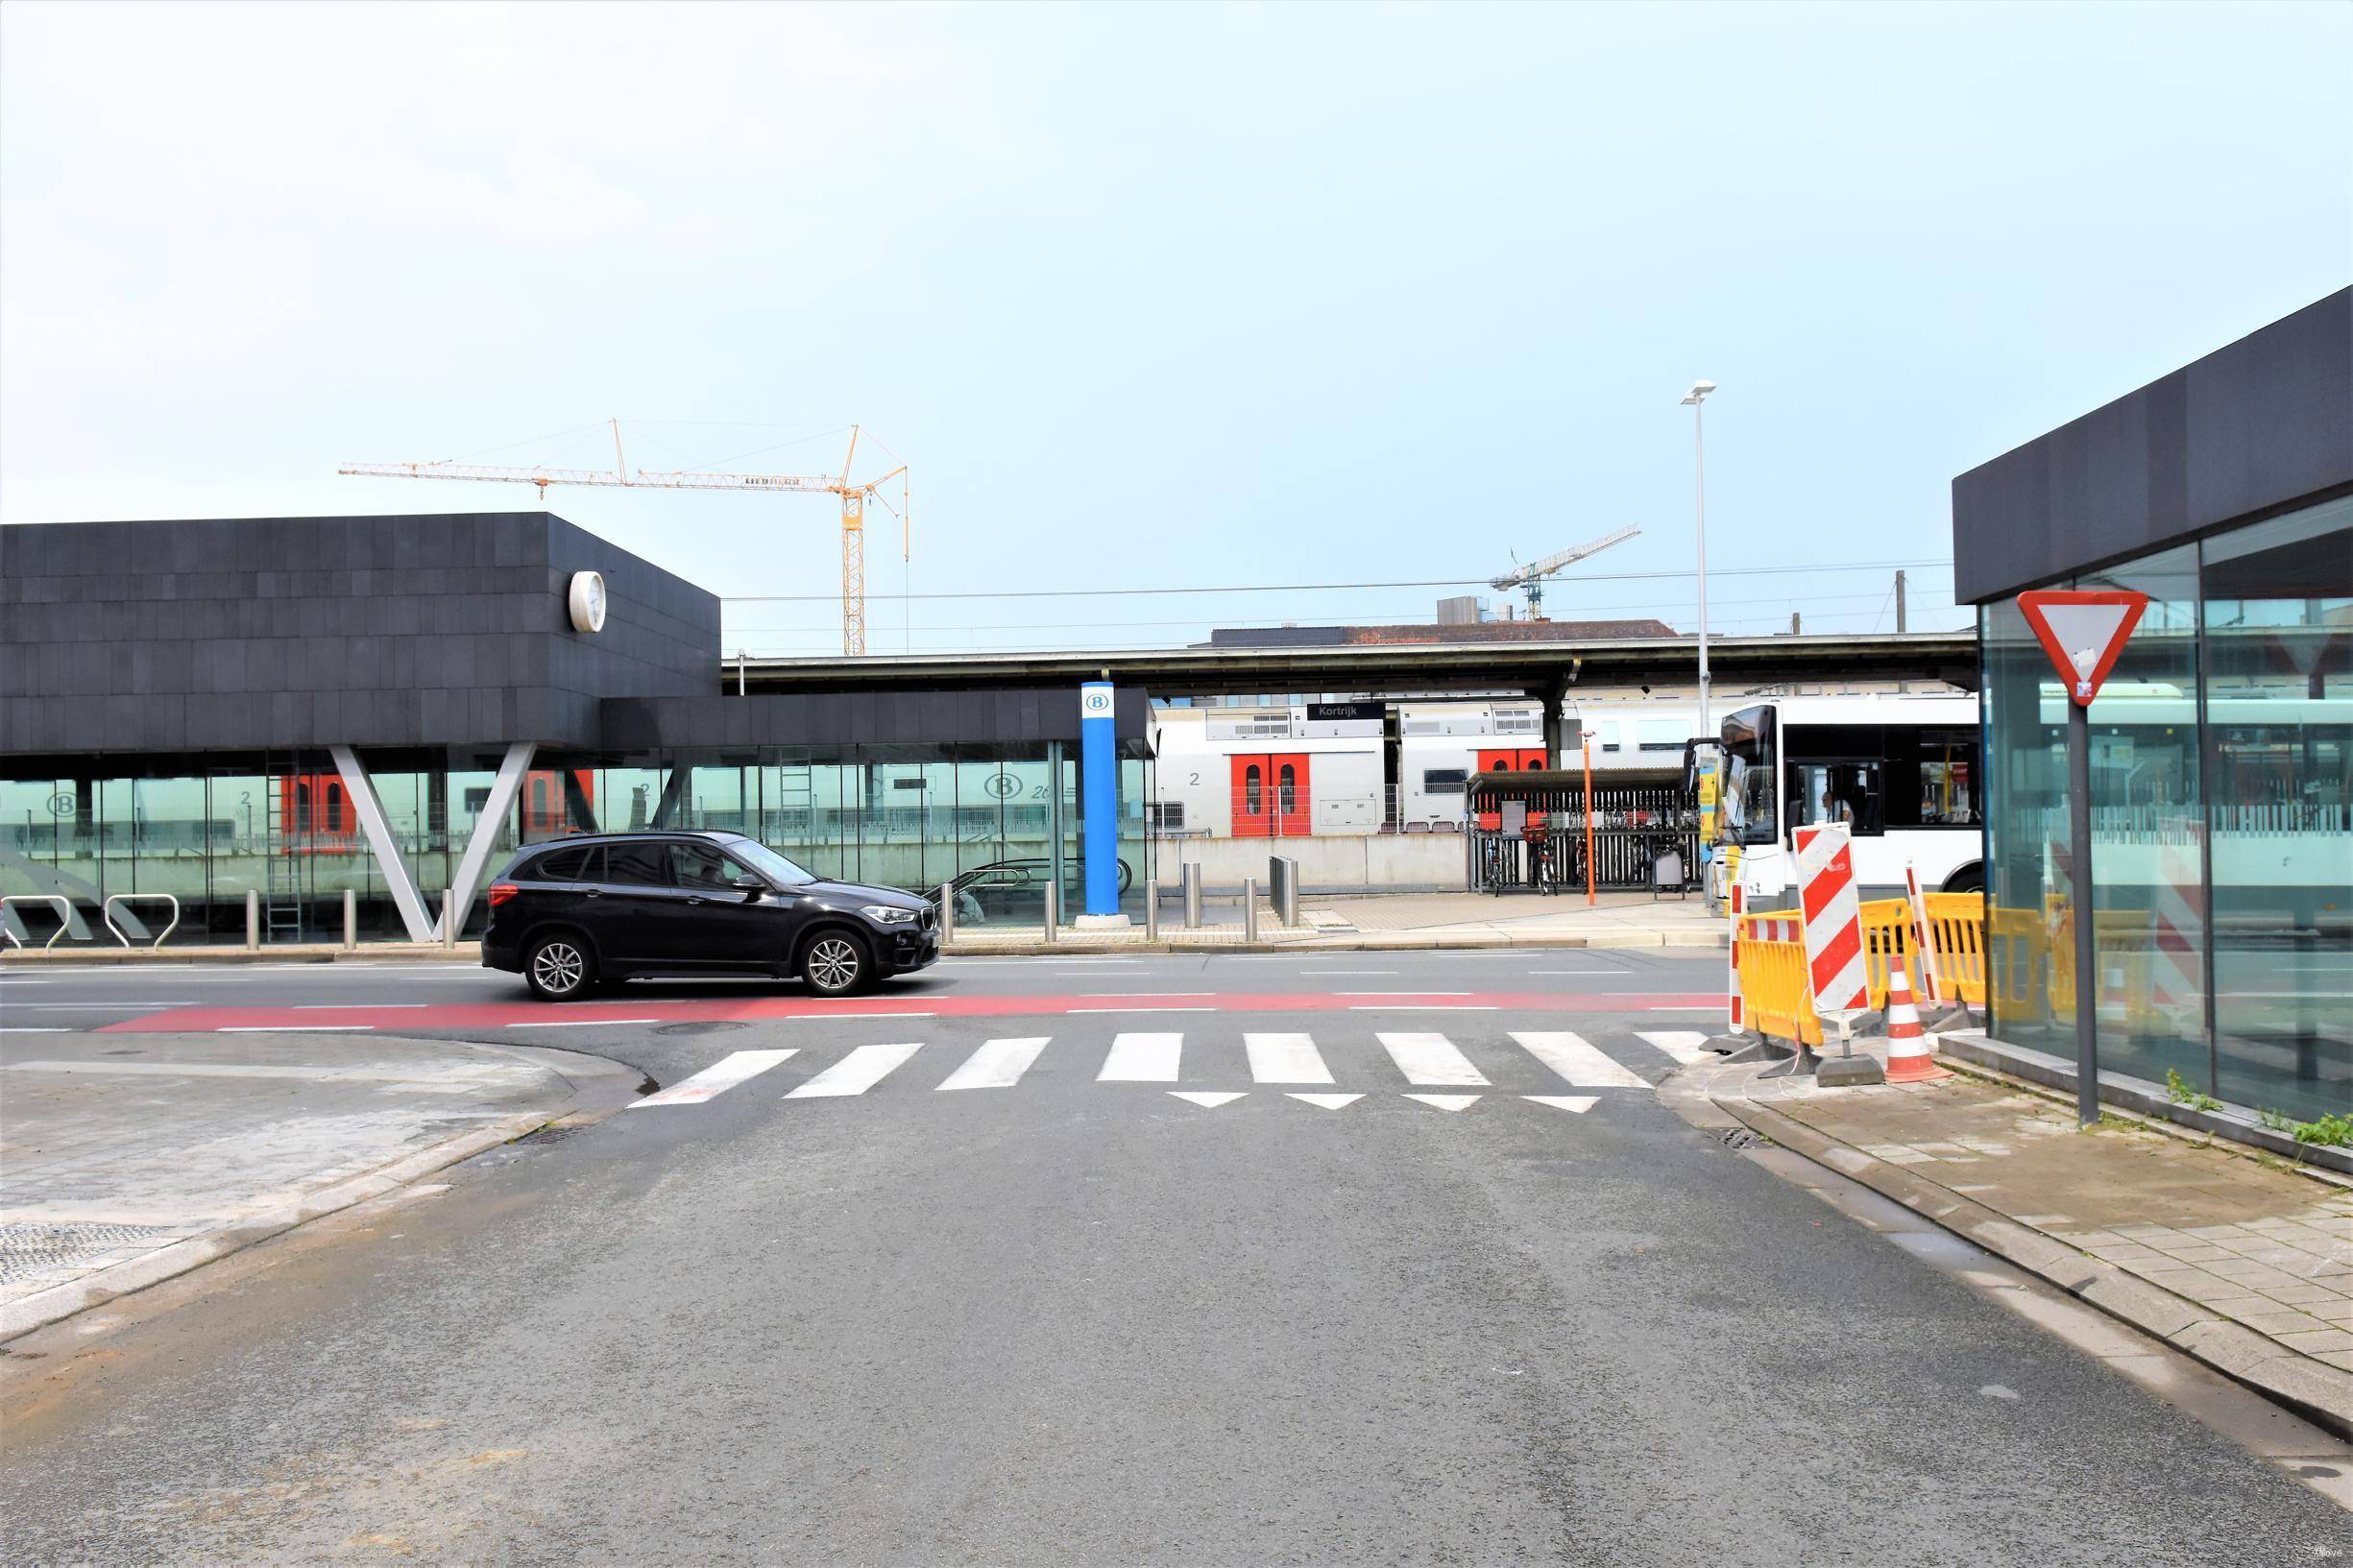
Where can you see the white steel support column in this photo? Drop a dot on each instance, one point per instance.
(378, 829)
(502, 792)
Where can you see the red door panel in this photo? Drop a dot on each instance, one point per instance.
(1294, 811)
(1253, 797)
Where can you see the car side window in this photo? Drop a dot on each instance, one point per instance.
(638, 866)
(702, 868)
(565, 866)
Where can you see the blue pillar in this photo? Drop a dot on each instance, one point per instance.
(1099, 775)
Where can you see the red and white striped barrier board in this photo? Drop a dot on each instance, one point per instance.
(2176, 982)
(1922, 941)
(1737, 1021)
(1833, 920)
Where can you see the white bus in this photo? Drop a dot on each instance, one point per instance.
(1901, 771)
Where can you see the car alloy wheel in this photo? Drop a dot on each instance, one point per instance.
(559, 968)
(833, 963)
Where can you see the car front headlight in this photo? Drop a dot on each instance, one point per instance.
(888, 914)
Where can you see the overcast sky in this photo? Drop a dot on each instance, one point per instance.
(1148, 295)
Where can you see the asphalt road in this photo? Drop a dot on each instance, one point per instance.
(1128, 1297)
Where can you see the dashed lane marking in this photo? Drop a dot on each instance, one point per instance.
(717, 1079)
(583, 1023)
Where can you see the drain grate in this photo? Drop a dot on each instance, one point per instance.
(1741, 1137)
(552, 1134)
(27, 1251)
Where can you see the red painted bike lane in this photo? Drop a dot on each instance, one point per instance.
(756, 1009)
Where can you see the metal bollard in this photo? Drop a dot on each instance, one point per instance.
(1193, 896)
(1250, 909)
(351, 919)
(946, 913)
(1053, 913)
(252, 919)
(449, 917)
(1152, 909)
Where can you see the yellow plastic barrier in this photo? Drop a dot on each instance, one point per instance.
(1773, 977)
(1773, 983)
(1957, 931)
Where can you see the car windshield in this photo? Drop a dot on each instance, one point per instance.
(769, 863)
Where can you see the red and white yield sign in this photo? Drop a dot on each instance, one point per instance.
(1833, 920)
(2083, 630)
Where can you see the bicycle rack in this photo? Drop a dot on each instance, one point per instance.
(63, 905)
(106, 912)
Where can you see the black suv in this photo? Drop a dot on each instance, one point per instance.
(609, 906)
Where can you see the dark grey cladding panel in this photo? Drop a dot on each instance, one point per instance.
(2262, 424)
(427, 630)
(828, 720)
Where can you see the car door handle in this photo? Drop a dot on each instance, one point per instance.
(694, 897)
(594, 893)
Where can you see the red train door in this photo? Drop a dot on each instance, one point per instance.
(1253, 798)
(1294, 811)
(1272, 796)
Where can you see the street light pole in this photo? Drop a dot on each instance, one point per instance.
(1693, 399)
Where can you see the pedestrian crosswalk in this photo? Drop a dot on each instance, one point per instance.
(1296, 1064)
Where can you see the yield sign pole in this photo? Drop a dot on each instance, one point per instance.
(2083, 631)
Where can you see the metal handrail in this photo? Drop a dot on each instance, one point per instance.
(65, 914)
(106, 912)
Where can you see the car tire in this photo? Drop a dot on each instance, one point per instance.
(1967, 879)
(559, 968)
(837, 963)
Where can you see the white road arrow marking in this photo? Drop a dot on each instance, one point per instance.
(1448, 1102)
(1207, 1100)
(1329, 1103)
(1579, 1103)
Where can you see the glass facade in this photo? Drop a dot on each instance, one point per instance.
(1000, 825)
(2221, 822)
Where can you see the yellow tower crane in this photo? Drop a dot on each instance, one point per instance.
(855, 497)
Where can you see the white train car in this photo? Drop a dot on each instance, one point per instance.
(1269, 772)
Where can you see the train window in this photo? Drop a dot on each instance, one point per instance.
(1608, 730)
(1443, 781)
(1165, 816)
(1252, 791)
(1503, 765)
(1288, 789)
(302, 807)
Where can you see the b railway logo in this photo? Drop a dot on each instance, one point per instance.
(1003, 786)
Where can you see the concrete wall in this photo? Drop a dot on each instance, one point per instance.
(1362, 863)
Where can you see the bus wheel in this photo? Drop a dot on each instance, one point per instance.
(1969, 879)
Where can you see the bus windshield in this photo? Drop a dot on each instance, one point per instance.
(1752, 812)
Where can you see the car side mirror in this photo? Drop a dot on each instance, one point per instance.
(752, 885)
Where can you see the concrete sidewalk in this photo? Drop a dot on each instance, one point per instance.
(125, 1160)
(2234, 1256)
(1387, 922)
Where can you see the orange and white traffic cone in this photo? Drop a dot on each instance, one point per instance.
(1908, 1048)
